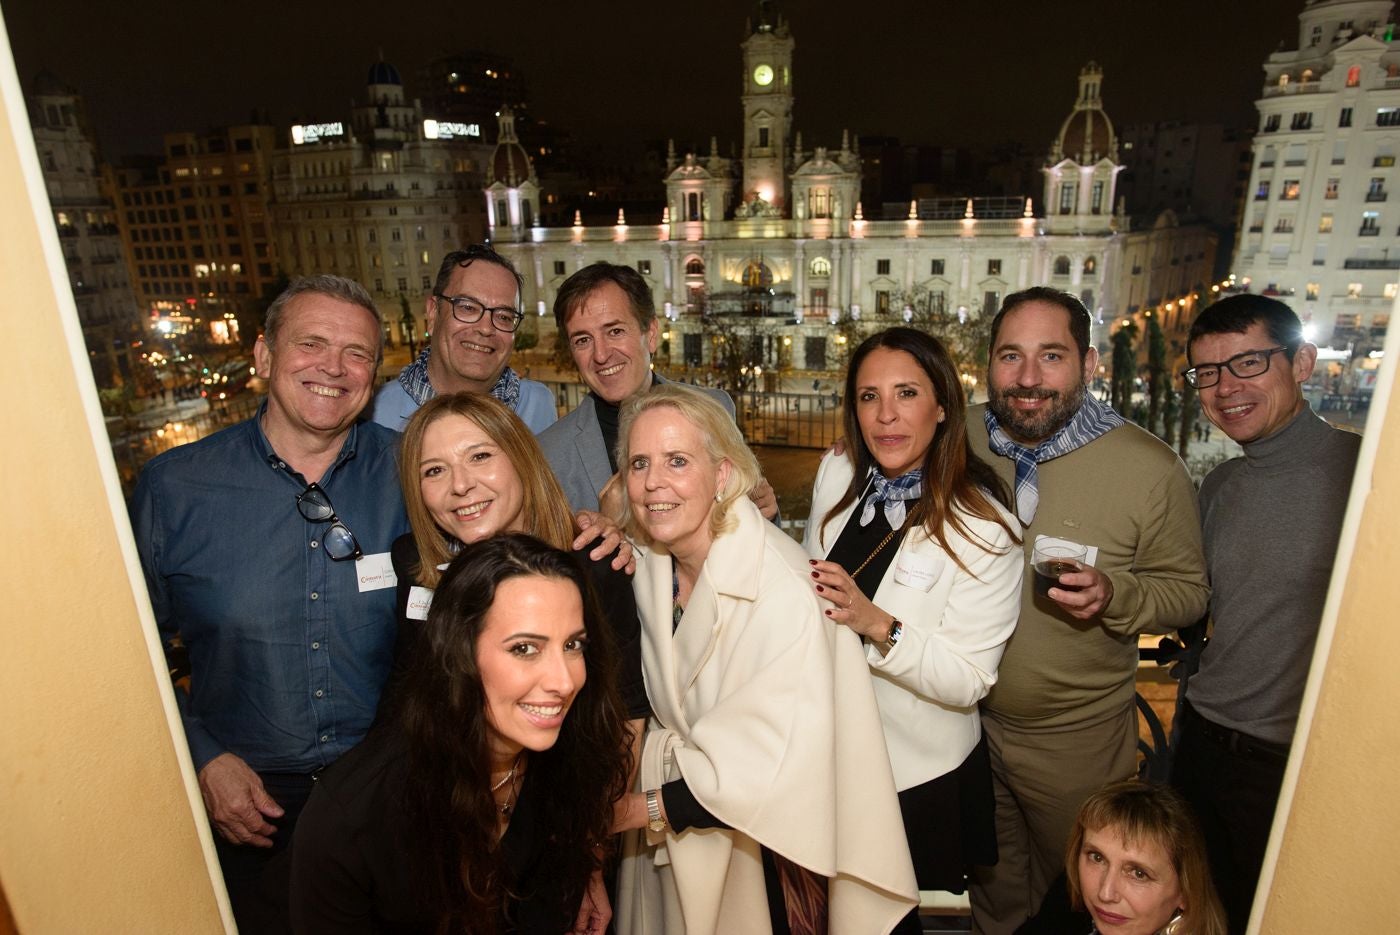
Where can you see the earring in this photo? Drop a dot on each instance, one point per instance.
(719, 495)
(1175, 925)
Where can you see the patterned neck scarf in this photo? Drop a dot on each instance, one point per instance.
(893, 494)
(1092, 420)
(414, 380)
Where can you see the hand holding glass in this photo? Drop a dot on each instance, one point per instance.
(1050, 560)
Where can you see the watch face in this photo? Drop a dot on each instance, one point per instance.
(763, 75)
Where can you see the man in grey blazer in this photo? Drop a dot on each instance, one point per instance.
(608, 319)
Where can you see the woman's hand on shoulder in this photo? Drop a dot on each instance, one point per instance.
(844, 603)
(597, 527)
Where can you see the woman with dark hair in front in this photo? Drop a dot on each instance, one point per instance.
(479, 805)
(470, 469)
(915, 551)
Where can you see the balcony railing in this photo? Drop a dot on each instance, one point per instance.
(1369, 232)
(1359, 263)
(1376, 196)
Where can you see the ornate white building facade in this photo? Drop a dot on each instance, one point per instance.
(1319, 230)
(380, 198)
(780, 242)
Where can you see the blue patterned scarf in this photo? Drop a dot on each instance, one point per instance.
(893, 494)
(414, 380)
(1091, 421)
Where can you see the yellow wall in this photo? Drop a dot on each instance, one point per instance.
(1330, 867)
(98, 828)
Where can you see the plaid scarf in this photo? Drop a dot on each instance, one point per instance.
(893, 494)
(1091, 420)
(414, 380)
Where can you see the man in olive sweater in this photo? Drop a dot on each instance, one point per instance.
(1061, 721)
(1271, 522)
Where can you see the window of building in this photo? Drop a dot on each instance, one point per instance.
(1390, 290)
(882, 267)
(990, 300)
(693, 267)
(1353, 74)
(1283, 225)
(1096, 197)
(644, 267)
(692, 206)
(1383, 161)
(1302, 120)
(423, 258)
(820, 268)
(1061, 266)
(1067, 194)
(1311, 290)
(994, 267)
(1344, 118)
(818, 301)
(1375, 191)
(1330, 191)
(1271, 122)
(882, 301)
(819, 203)
(762, 137)
(1388, 117)
(373, 235)
(1353, 291)
(1324, 224)
(1289, 191)
(396, 235)
(560, 267)
(1370, 224)
(1090, 266)
(1262, 192)
(379, 285)
(427, 283)
(935, 268)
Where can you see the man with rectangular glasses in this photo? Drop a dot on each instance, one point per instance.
(472, 314)
(265, 549)
(1271, 521)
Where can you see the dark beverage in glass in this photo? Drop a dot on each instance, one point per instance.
(1047, 575)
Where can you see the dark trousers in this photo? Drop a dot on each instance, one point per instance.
(258, 879)
(1232, 782)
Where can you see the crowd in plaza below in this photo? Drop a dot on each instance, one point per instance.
(460, 665)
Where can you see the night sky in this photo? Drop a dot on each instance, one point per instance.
(641, 70)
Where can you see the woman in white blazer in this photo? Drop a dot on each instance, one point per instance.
(766, 797)
(914, 550)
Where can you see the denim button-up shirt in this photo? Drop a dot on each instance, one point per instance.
(287, 654)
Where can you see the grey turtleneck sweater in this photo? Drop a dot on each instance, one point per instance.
(1271, 520)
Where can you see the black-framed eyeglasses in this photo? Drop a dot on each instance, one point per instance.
(469, 311)
(1246, 366)
(315, 507)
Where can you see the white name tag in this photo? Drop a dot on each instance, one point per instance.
(375, 572)
(1091, 555)
(916, 571)
(419, 600)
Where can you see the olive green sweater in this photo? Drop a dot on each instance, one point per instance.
(1130, 496)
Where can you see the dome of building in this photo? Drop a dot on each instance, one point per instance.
(382, 72)
(510, 164)
(1087, 134)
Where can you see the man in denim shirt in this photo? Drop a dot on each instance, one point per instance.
(266, 550)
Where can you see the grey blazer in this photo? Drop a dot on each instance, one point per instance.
(574, 448)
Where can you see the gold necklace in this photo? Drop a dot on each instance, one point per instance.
(883, 542)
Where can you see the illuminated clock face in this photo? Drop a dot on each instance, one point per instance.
(763, 75)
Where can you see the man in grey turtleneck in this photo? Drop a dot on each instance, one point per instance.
(1271, 521)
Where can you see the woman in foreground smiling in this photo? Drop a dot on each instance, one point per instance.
(913, 552)
(1137, 862)
(476, 807)
(763, 774)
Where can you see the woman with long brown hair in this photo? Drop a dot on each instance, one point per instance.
(914, 550)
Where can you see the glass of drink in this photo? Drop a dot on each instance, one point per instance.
(1052, 559)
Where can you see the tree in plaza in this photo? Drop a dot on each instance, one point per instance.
(1188, 419)
(1158, 380)
(1124, 368)
(964, 332)
(735, 347)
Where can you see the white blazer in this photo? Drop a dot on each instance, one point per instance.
(766, 710)
(956, 625)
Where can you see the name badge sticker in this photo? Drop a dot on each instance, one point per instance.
(375, 572)
(419, 600)
(1092, 554)
(916, 571)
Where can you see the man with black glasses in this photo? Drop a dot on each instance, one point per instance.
(1271, 521)
(472, 314)
(266, 552)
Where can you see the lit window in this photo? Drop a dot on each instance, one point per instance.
(1312, 290)
(1353, 290)
(1390, 289)
(1289, 192)
(1324, 224)
(821, 267)
(1331, 191)
(1353, 76)
(994, 267)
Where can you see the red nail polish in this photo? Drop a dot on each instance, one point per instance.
(820, 588)
(828, 613)
(811, 561)
(816, 574)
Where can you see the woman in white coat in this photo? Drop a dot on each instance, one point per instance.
(914, 551)
(766, 795)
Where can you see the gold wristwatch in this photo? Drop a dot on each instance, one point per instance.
(655, 823)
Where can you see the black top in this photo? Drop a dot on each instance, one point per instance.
(351, 871)
(856, 542)
(616, 603)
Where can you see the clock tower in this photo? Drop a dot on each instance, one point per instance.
(767, 99)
